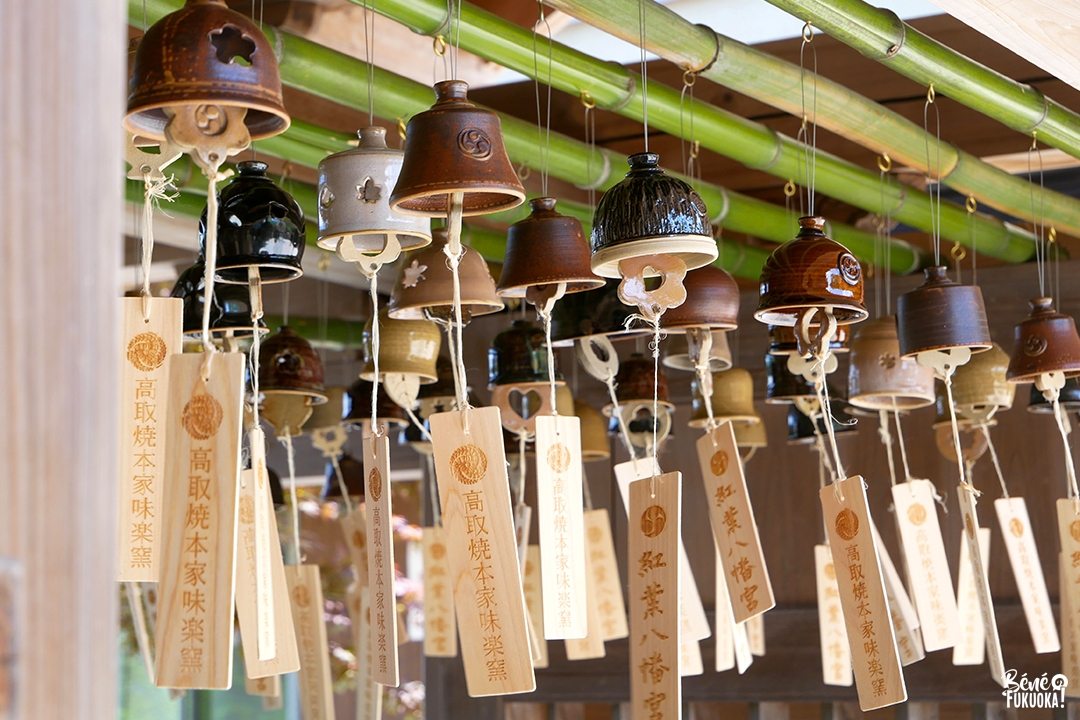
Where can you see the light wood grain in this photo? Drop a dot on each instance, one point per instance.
(266, 548)
(316, 690)
(1027, 569)
(1070, 637)
(835, 650)
(197, 586)
(534, 606)
(970, 648)
(264, 686)
(690, 662)
(755, 632)
(592, 645)
(982, 584)
(369, 693)
(440, 626)
(723, 634)
(380, 524)
(604, 569)
(354, 528)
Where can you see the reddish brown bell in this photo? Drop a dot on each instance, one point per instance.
(782, 340)
(634, 382)
(712, 301)
(811, 271)
(288, 365)
(205, 55)
(1046, 341)
(546, 248)
(941, 314)
(455, 147)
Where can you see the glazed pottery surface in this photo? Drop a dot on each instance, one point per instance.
(941, 314)
(677, 352)
(425, 285)
(546, 248)
(712, 301)
(1046, 341)
(407, 347)
(289, 365)
(732, 398)
(879, 377)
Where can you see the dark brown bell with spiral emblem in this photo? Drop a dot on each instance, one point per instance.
(1046, 341)
(455, 147)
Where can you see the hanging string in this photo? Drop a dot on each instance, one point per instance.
(373, 285)
(544, 308)
(700, 341)
(438, 45)
(947, 377)
(585, 491)
(644, 72)
(433, 490)
(903, 445)
(884, 167)
(341, 483)
(590, 143)
(993, 456)
(153, 192)
(213, 177)
(287, 442)
(369, 57)
(543, 125)
(624, 431)
(454, 251)
(887, 441)
(1070, 468)
(255, 295)
(790, 190)
(519, 491)
(809, 136)
(933, 172)
(689, 80)
(1051, 239)
(1038, 221)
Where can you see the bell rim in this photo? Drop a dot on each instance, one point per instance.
(413, 311)
(581, 283)
(704, 325)
(695, 251)
(223, 332)
(292, 272)
(608, 409)
(901, 401)
(682, 363)
(1029, 377)
(513, 198)
(369, 375)
(697, 424)
(155, 129)
(316, 398)
(974, 347)
(389, 420)
(787, 314)
(594, 456)
(332, 240)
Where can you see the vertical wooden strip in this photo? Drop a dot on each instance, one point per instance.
(690, 662)
(982, 583)
(264, 686)
(908, 639)
(265, 548)
(146, 349)
(861, 583)
(725, 623)
(484, 566)
(591, 646)
(970, 648)
(1070, 638)
(1069, 534)
(604, 569)
(354, 528)
(835, 650)
(440, 628)
(755, 630)
(654, 530)
(368, 692)
(733, 524)
(316, 690)
(196, 590)
(534, 606)
(380, 524)
(1027, 570)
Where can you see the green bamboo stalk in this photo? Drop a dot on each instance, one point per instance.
(748, 142)
(777, 82)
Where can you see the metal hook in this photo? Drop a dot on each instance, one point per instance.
(884, 162)
(931, 95)
(808, 32)
(439, 45)
(587, 100)
(972, 204)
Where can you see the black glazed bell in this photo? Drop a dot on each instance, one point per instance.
(230, 313)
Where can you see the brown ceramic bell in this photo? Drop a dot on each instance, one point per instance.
(407, 347)
(712, 301)
(594, 441)
(288, 365)
(210, 57)
(359, 410)
(732, 398)
(590, 313)
(518, 355)
(425, 285)
(634, 382)
(782, 340)
(1068, 398)
(941, 314)
(330, 413)
(879, 377)
(546, 248)
(980, 385)
(455, 147)
(811, 271)
(750, 434)
(677, 352)
(352, 475)
(1046, 341)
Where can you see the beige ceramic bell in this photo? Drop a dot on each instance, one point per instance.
(750, 435)
(406, 347)
(330, 413)
(677, 352)
(594, 441)
(732, 398)
(980, 387)
(879, 377)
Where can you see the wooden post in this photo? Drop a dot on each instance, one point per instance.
(62, 78)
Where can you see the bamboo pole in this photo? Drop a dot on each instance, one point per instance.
(750, 143)
(853, 116)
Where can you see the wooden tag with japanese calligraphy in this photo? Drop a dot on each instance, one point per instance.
(755, 631)
(146, 348)
(198, 526)
(562, 530)
(654, 529)
(440, 629)
(690, 662)
(1069, 535)
(316, 690)
(286, 658)
(522, 528)
(905, 620)
(1070, 638)
(380, 525)
(861, 583)
(697, 626)
(835, 651)
(928, 565)
(604, 569)
(592, 645)
(982, 584)
(1027, 570)
(269, 686)
(732, 640)
(354, 528)
(480, 542)
(534, 605)
(970, 648)
(368, 692)
(733, 524)
(265, 548)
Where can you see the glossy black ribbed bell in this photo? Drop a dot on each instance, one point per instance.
(230, 312)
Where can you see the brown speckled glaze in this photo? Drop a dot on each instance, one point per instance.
(712, 301)
(941, 314)
(545, 248)
(288, 364)
(1046, 341)
(634, 381)
(425, 284)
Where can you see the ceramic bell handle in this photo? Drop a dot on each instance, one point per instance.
(511, 419)
(816, 344)
(210, 133)
(629, 412)
(944, 439)
(544, 297)
(330, 440)
(597, 355)
(402, 388)
(149, 166)
(944, 362)
(652, 303)
(812, 370)
(370, 264)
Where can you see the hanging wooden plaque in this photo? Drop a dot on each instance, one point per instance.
(924, 551)
(1070, 638)
(970, 648)
(263, 546)
(368, 692)
(380, 524)
(1069, 535)
(654, 529)
(604, 569)
(133, 592)
(982, 584)
(198, 526)
(732, 639)
(562, 529)
(484, 567)
(146, 348)
(592, 645)
(534, 606)
(316, 690)
(755, 631)
(628, 472)
(286, 658)
(440, 628)
(690, 662)
(861, 583)
(354, 528)
(835, 650)
(522, 527)
(733, 524)
(908, 639)
(269, 686)
(1027, 570)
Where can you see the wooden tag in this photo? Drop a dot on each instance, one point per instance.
(970, 648)
(690, 663)
(534, 602)
(743, 657)
(354, 528)
(732, 640)
(202, 465)
(1069, 535)
(368, 692)
(522, 526)
(440, 628)
(479, 526)
(982, 584)
(562, 529)
(264, 548)
(286, 658)
(147, 348)
(654, 531)
(592, 645)
(133, 591)
(924, 550)
(628, 472)
(755, 631)
(1027, 569)
(733, 524)
(316, 690)
(908, 639)
(604, 570)
(1070, 638)
(835, 651)
(861, 583)
(263, 687)
(380, 524)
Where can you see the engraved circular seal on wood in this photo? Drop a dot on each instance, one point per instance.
(916, 514)
(358, 539)
(1074, 530)
(595, 534)
(438, 551)
(146, 351)
(718, 463)
(558, 458)
(301, 596)
(202, 416)
(1016, 527)
(653, 521)
(830, 571)
(847, 524)
(468, 464)
(247, 510)
(374, 481)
